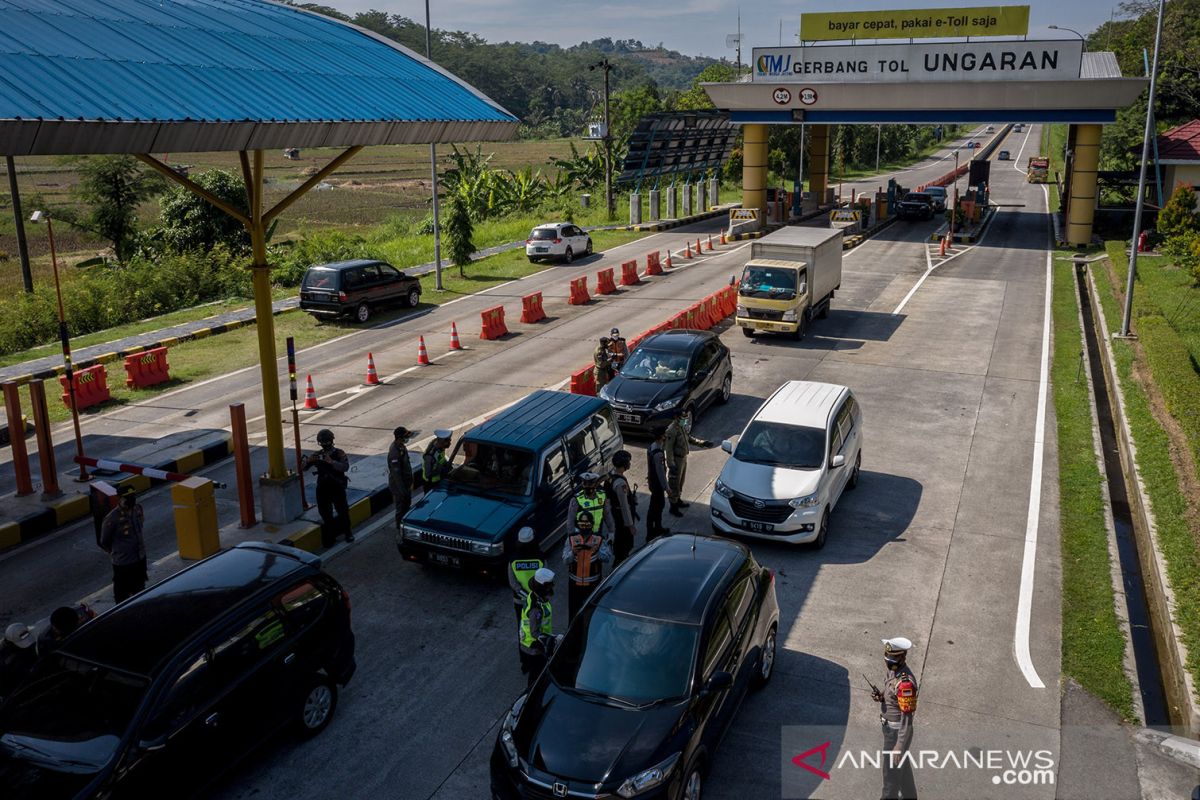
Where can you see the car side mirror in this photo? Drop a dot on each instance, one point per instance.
(727, 446)
(838, 461)
(803, 287)
(719, 681)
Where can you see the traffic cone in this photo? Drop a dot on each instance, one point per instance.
(455, 344)
(710, 244)
(310, 396)
(422, 353)
(723, 241)
(668, 264)
(699, 249)
(372, 375)
(687, 249)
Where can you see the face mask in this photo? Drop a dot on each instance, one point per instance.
(686, 424)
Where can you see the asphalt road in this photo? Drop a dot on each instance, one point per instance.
(938, 543)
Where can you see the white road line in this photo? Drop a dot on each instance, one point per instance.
(1029, 561)
(929, 267)
(1017, 163)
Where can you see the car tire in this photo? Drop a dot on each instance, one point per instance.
(748, 333)
(693, 781)
(588, 251)
(413, 298)
(316, 707)
(852, 481)
(568, 256)
(532, 260)
(362, 312)
(798, 334)
(765, 667)
(726, 389)
(822, 531)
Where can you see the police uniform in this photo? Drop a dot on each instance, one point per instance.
(536, 622)
(602, 364)
(656, 470)
(676, 451)
(522, 569)
(332, 464)
(434, 464)
(624, 503)
(400, 474)
(897, 705)
(583, 553)
(597, 505)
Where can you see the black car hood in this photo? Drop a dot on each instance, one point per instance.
(642, 393)
(468, 514)
(579, 739)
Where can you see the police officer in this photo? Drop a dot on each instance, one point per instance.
(602, 362)
(676, 449)
(656, 470)
(331, 465)
(618, 350)
(435, 464)
(525, 564)
(897, 704)
(584, 553)
(592, 499)
(535, 632)
(624, 506)
(400, 477)
(121, 538)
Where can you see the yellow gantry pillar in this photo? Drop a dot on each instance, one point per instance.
(754, 169)
(1081, 204)
(265, 325)
(818, 162)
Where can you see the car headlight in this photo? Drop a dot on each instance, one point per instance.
(722, 489)
(487, 548)
(741, 310)
(506, 732)
(411, 533)
(788, 316)
(604, 393)
(665, 404)
(805, 502)
(650, 778)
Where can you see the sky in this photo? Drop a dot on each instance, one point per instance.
(694, 27)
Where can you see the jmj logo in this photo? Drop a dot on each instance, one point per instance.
(808, 96)
(781, 96)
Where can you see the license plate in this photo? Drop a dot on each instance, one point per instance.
(762, 527)
(636, 419)
(449, 561)
(541, 249)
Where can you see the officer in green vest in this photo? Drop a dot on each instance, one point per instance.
(434, 464)
(592, 499)
(526, 562)
(536, 633)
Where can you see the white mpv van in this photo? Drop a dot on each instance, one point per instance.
(790, 465)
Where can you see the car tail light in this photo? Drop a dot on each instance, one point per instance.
(558, 241)
(342, 296)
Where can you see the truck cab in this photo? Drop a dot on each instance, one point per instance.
(1038, 170)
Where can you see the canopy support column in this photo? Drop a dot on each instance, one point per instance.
(754, 169)
(818, 163)
(1082, 201)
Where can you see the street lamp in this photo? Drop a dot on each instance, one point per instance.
(38, 218)
(607, 67)
(1082, 38)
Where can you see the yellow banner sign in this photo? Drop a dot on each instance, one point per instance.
(916, 24)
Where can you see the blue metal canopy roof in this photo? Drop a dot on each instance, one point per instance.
(92, 76)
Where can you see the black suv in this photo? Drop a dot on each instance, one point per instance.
(156, 696)
(356, 288)
(647, 679)
(674, 370)
(915, 205)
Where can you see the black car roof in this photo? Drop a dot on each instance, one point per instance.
(341, 265)
(681, 340)
(536, 419)
(674, 578)
(139, 635)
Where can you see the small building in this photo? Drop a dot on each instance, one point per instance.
(1179, 157)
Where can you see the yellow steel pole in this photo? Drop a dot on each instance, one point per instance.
(261, 271)
(754, 169)
(1082, 200)
(818, 163)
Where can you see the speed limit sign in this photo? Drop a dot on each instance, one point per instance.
(781, 96)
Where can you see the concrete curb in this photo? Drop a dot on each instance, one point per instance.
(361, 511)
(666, 225)
(1184, 751)
(69, 509)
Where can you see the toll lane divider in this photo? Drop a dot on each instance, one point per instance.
(361, 510)
(579, 292)
(605, 284)
(653, 265)
(494, 326)
(531, 308)
(90, 386)
(629, 274)
(149, 368)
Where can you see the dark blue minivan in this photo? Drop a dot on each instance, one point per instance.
(518, 468)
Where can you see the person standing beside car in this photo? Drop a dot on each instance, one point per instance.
(584, 553)
(525, 564)
(331, 464)
(121, 538)
(400, 477)
(624, 505)
(434, 463)
(536, 629)
(594, 501)
(602, 363)
(656, 470)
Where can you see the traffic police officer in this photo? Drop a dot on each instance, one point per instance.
(332, 465)
(897, 704)
(434, 463)
(536, 632)
(523, 567)
(602, 362)
(400, 473)
(624, 505)
(584, 553)
(592, 499)
(676, 448)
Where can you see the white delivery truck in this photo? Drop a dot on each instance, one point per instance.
(791, 277)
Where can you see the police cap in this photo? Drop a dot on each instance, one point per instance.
(442, 433)
(525, 535)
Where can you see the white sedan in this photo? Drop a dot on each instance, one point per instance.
(558, 240)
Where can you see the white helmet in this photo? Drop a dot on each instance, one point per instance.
(525, 536)
(544, 575)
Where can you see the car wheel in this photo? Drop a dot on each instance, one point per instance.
(692, 784)
(568, 256)
(726, 389)
(822, 531)
(414, 298)
(852, 481)
(766, 661)
(589, 246)
(748, 333)
(317, 707)
(798, 334)
(363, 312)
(532, 260)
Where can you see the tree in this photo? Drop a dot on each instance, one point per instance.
(458, 231)
(190, 222)
(695, 98)
(113, 187)
(1179, 216)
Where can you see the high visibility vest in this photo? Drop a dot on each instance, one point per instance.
(529, 637)
(593, 505)
(439, 459)
(586, 550)
(523, 570)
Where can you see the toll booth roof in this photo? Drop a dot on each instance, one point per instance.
(141, 76)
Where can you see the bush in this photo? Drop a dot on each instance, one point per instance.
(1178, 217)
(1184, 250)
(319, 247)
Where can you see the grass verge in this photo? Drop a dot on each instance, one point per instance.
(1179, 544)
(1093, 645)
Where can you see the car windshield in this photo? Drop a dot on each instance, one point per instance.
(913, 197)
(771, 282)
(655, 365)
(320, 278)
(628, 658)
(935, 191)
(544, 233)
(67, 700)
(776, 444)
(486, 467)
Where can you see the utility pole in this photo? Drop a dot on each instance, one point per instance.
(1141, 195)
(437, 228)
(19, 222)
(878, 137)
(606, 66)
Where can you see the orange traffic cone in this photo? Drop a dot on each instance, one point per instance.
(723, 241)
(310, 396)
(422, 353)
(687, 249)
(710, 244)
(455, 344)
(699, 249)
(668, 264)
(372, 375)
